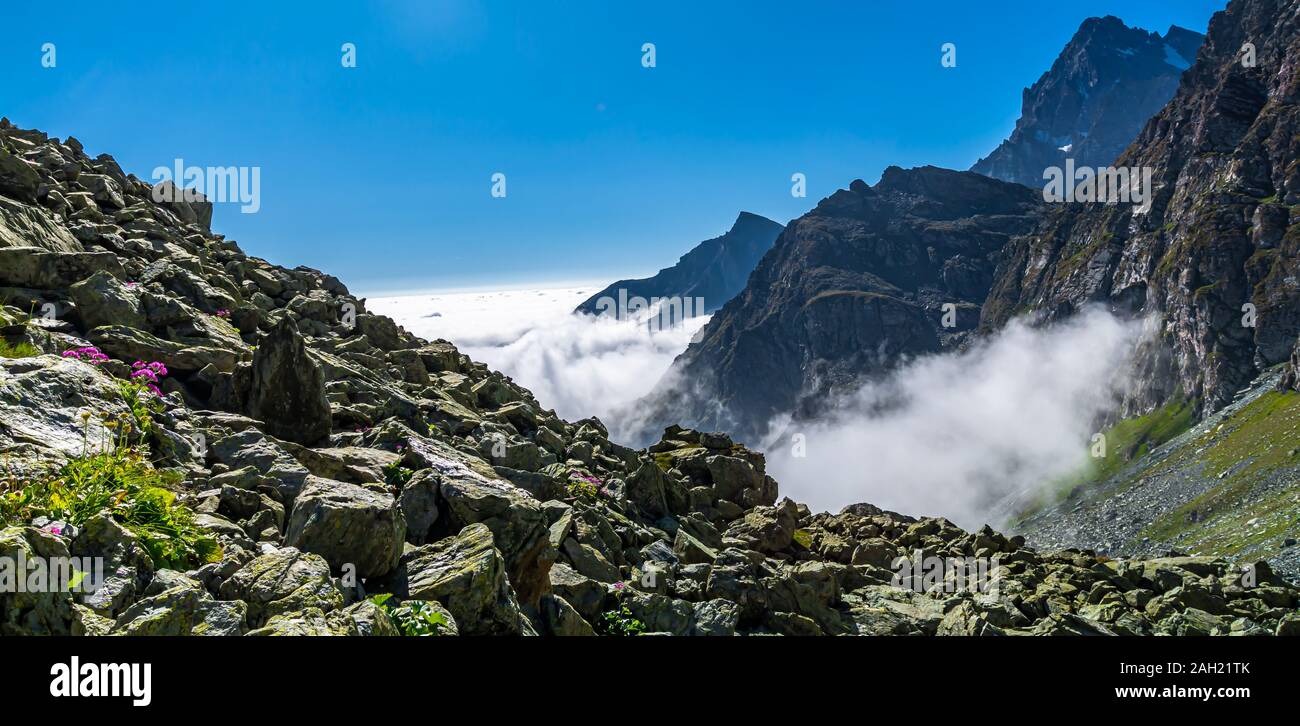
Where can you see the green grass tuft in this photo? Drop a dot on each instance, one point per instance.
(123, 484)
(21, 350)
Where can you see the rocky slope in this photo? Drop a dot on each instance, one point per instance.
(850, 289)
(1226, 485)
(326, 456)
(1108, 80)
(715, 270)
(1220, 233)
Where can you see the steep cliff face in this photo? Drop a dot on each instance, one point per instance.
(850, 289)
(714, 271)
(1218, 249)
(1091, 104)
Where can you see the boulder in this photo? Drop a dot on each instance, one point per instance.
(36, 268)
(103, 300)
(182, 608)
(467, 574)
(288, 388)
(347, 524)
(283, 581)
(47, 612)
(520, 529)
(127, 567)
(767, 529)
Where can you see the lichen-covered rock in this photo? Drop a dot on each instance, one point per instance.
(282, 581)
(288, 388)
(467, 574)
(182, 608)
(519, 528)
(349, 525)
(25, 611)
(102, 299)
(127, 567)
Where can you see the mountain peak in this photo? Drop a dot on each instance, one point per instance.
(1107, 81)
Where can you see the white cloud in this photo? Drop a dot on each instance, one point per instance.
(949, 435)
(955, 434)
(579, 365)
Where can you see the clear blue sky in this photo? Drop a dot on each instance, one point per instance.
(380, 174)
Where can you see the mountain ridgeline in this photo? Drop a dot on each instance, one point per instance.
(715, 270)
(859, 282)
(1092, 103)
(1215, 258)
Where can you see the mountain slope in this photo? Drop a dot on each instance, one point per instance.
(308, 455)
(1227, 485)
(715, 270)
(849, 289)
(1220, 233)
(1107, 81)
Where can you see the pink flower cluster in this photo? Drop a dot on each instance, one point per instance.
(148, 374)
(90, 355)
(223, 313)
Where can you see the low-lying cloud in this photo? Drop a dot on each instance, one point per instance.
(580, 365)
(956, 434)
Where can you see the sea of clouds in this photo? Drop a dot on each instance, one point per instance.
(580, 365)
(957, 435)
(962, 434)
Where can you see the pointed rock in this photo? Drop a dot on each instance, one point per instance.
(288, 392)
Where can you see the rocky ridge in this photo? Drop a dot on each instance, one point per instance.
(1214, 258)
(871, 276)
(331, 457)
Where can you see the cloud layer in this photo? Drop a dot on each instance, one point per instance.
(955, 434)
(950, 435)
(579, 365)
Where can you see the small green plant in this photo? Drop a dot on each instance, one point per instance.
(123, 484)
(412, 617)
(21, 350)
(397, 475)
(619, 621)
(582, 486)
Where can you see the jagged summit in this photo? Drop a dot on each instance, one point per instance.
(1107, 81)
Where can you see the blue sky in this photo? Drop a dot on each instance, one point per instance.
(381, 174)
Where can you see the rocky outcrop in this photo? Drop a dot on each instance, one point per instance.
(871, 275)
(1108, 80)
(288, 388)
(714, 271)
(1214, 258)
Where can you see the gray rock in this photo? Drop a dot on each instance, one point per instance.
(288, 388)
(467, 574)
(349, 525)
